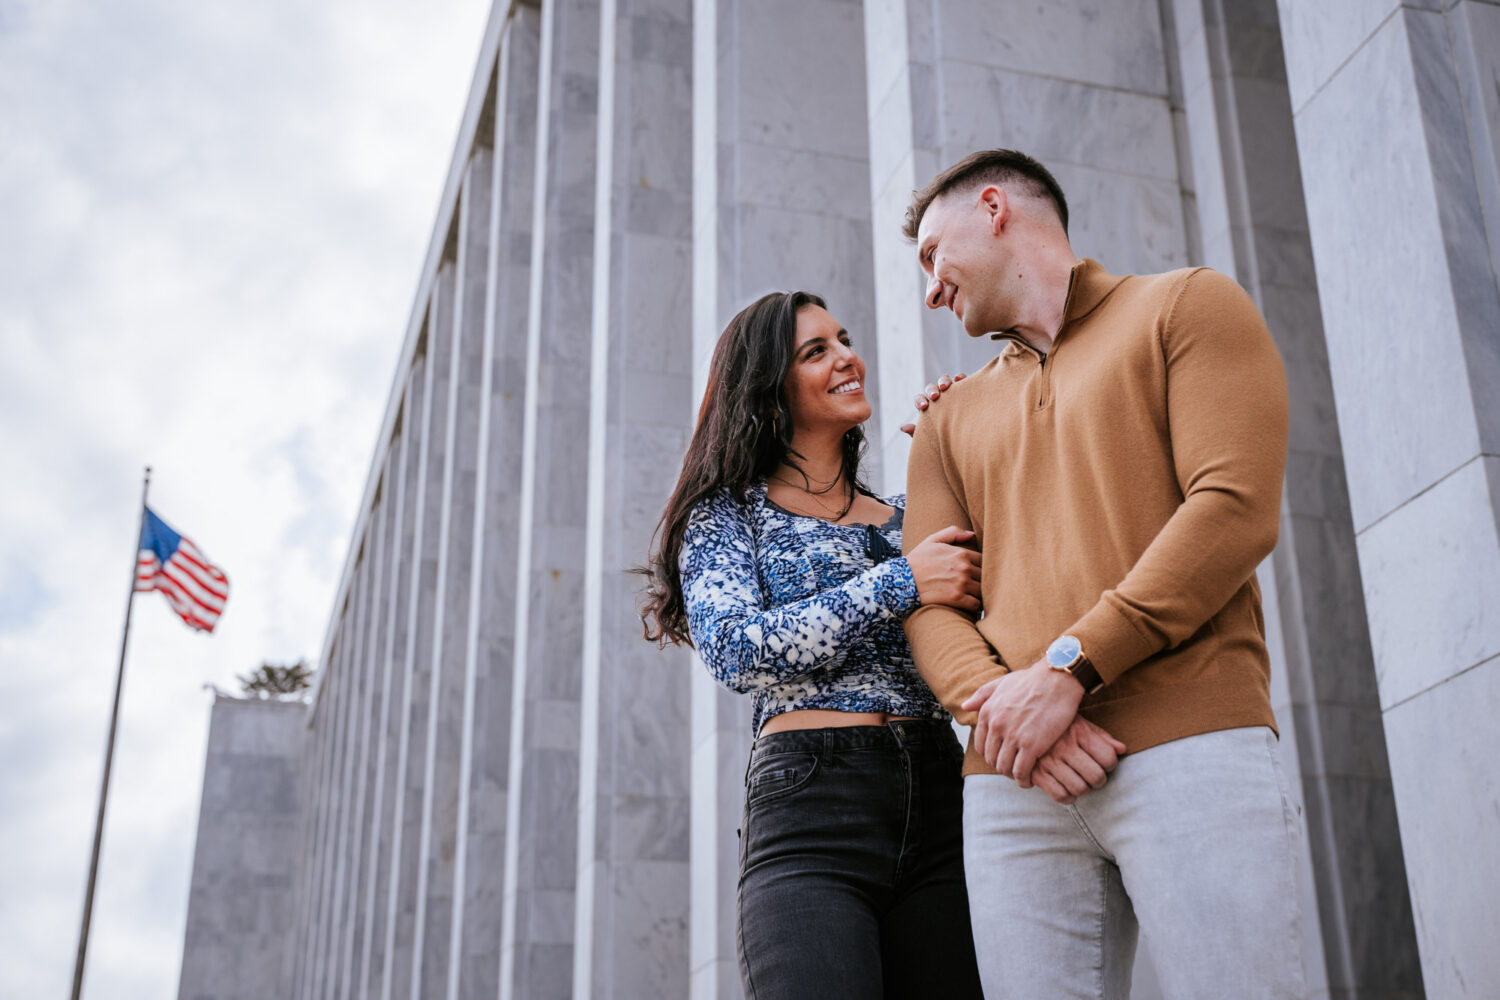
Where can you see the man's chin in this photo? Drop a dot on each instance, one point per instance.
(975, 330)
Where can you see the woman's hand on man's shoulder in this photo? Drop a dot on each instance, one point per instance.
(930, 395)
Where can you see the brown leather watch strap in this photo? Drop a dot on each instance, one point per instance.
(1085, 673)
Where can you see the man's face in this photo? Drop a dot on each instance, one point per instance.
(961, 246)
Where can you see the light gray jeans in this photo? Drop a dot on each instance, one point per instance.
(1194, 839)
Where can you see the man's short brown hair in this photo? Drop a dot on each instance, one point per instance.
(988, 166)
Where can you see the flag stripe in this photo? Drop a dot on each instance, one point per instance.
(184, 576)
(185, 607)
(185, 586)
(206, 571)
(195, 588)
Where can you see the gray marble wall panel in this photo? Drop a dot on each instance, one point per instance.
(348, 737)
(395, 547)
(631, 924)
(479, 867)
(1449, 836)
(542, 823)
(1386, 102)
(793, 161)
(1252, 219)
(309, 791)
(356, 736)
(372, 732)
(720, 723)
(412, 426)
(949, 77)
(323, 721)
(1423, 423)
(780, 201)
(1119, 171)
(401, 970)
(336, 690)
(1475, 33)
(241, 898)
(454, 545)
(900, 75)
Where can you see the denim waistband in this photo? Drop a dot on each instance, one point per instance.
(897, 733)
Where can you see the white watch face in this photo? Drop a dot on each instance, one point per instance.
(1063, 651)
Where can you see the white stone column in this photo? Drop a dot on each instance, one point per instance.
(469, 275)
(781, 202)
(396, 673)
(356, 620)
(536, 950)
(408, 778)
(309, 874)
(1079, 85)
(1358, 931)
(631, 921)
(336, 690)
(484, 764)
(1396, 117)
(377, 546)
(370, 943)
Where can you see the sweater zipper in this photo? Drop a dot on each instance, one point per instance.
(1041, 361)
(1043, 372)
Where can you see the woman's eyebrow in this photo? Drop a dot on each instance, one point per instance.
(813, 341)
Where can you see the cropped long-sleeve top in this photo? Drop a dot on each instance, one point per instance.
(801, 612)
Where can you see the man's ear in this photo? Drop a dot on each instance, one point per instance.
(994, 202)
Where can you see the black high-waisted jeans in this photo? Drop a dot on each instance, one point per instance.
(851, 866)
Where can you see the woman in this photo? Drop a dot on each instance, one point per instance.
(785, 572)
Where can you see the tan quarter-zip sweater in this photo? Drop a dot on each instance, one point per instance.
(1123, 489)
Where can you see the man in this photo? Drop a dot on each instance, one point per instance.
(1121, 464)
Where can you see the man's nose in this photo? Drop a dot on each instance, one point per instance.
(934, 293)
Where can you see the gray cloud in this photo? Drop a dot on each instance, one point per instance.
(214, 221)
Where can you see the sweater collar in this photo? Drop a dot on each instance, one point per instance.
(1088, 285)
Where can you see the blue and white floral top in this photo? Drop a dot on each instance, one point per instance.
(803, 612)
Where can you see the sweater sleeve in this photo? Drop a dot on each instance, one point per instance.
(951, 655)
(1227, 424)
(747, 645)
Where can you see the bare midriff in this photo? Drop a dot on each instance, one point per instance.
(824, 718)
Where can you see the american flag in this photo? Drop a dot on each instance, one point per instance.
(170, 563)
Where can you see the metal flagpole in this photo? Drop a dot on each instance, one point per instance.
(109, 753)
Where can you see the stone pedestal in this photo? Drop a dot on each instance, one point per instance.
(242, 897)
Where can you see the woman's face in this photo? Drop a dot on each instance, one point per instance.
(826, 384)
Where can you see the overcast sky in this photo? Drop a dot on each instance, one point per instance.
(212, 219)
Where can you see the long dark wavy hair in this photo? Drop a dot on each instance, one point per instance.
(744, 433)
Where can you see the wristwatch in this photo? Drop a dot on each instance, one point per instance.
(1066, 655)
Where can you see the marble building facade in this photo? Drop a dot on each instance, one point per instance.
(506, 792)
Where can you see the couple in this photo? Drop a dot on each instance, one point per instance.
(1119, 465)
